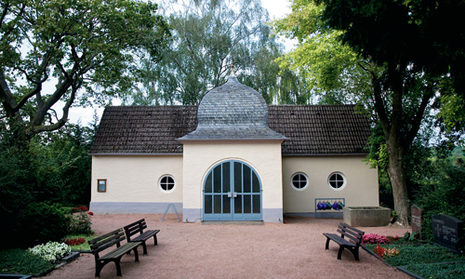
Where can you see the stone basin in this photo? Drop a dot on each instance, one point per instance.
(367, 216)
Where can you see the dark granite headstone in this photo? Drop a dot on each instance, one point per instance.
(416, 220)
(448, 231)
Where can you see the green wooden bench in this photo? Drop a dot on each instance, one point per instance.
(351, 242)
(106, 241)
(138, 228)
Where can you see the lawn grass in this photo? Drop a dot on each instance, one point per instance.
(425, 259)
(23, 262)
(84, 246)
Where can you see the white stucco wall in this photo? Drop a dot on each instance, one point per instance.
(264, 157)
(361, 187)
(135, 178)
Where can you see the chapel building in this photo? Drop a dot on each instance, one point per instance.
(232, 158)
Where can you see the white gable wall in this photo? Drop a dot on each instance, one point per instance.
(361, 187)
(132, 183)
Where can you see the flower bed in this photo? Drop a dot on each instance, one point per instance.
(423, 259)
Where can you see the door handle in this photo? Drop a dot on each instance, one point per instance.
(232, 194)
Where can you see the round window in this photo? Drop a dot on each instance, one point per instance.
(299, 181)
(336, 180)
(166, 183)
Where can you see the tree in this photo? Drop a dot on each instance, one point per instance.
(52, 50)
(210, 38)
(377, 58)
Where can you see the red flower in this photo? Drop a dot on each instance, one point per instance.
(380, 251)
(90, 213)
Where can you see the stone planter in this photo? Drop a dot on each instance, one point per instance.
(374, 216)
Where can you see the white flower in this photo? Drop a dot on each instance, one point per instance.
(51, 251)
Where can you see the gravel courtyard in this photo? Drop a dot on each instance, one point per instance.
(194, 250)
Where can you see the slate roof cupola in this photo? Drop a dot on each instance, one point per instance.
(232, 111)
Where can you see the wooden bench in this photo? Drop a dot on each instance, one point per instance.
(138, 227)
(352, 239)
(108, 240)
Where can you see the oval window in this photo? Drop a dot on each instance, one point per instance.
(336, 181)
(166, 183)
(299, 181)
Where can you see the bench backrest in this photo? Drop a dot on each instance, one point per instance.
(350, 233)
(136, 227)
(105, 241)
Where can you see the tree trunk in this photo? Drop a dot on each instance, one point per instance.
(398, 181)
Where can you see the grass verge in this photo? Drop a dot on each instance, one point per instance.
(82, 247)
(23, 262)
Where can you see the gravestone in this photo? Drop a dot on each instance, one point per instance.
(416, 220)
(448, 232)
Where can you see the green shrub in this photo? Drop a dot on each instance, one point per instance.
(41, 222)
(444, 195)
(23, 262)
(80, 223)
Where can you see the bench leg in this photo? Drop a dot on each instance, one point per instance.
(339, 253)
(98, 268)
(155, 241)
(136, 254)
(327, 243)
(118, 267)
(355, 253)
(144, 247)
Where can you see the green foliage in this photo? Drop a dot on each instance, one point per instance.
(74, 45)
(23, 262)
(443, 192)
(427, 35)
(438, 270)
(209, 38)
(40, 222)
(331, 69)
(62, 166)
(54, 168)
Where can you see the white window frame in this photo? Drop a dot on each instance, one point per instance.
(292, 178)
(161, 188)
(343, 184)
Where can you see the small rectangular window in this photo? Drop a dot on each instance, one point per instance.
(101, 185)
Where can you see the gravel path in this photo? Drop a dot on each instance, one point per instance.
(194, 250)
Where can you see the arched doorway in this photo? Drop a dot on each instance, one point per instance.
(232, 191)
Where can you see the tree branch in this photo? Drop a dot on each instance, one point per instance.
(60, 123)
(416, 122)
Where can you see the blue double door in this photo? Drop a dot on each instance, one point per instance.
(232, 192)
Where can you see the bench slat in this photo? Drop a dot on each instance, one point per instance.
(102, 237)
(146, 235)
(120, 251)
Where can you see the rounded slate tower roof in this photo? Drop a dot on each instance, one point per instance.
(232, 111)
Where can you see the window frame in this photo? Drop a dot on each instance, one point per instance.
(344, 179)
(98, 185)
(306, 178)
(161, 188)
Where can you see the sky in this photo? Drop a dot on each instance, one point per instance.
(276, 9)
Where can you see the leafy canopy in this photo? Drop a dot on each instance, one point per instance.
(211, 38)
(57, 52)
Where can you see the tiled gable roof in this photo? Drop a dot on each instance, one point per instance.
(310, 130)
